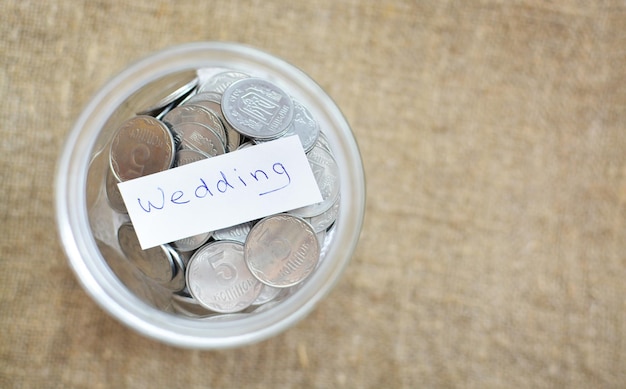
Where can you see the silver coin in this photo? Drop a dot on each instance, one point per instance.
(186, 156)
(216, 122)
(324, 220)
(198, 137)
(245, 145)
(164, 111)
(304, 126)
(192, 242)
(142, 145)
(237, 232)
(264, 307)
(219, 82)
(177, 283)
(281, 250)
(141, 286)
(114, 196)
(207, 97)
(217, 277)
(213, 102)
(322, 141)
(155, 263)
(326, 174)
(208, 100)
(268, 293)
(257, 108)
(195, 114)
(178, 93)
(185, 256)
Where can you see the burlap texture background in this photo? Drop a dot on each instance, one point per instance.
(494, 247)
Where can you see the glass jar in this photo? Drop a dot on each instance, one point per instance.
(87, 224)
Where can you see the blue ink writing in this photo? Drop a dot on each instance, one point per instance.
(256, 173)
(282, 171)
(219, 185)
(240, 179)
(224, 182)
(203, 187)
(150, 205)
(176, 196)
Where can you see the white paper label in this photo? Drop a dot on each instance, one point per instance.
(220, 192)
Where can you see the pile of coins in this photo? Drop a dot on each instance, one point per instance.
(242, 268)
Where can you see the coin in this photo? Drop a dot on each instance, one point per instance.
(186, 156)
(245, 145)
(326, 174)
(213, 102)
(142, 145)
(179, 93)
(177, 283)
(264, 307)
(155, 263)
(215, 123)
(192, 242)
(198, 137)
(325, 219)
(237, 232)
(257, 108)
(113, 193)
(268, 293)
(304, 126)
(281, 250)
(219, 82)
(141, 286)
(195, 114)
(217, 277)
(322, 141)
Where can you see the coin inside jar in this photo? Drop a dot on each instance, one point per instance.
(303, 125)
(257, 108)
(198, 137)
(155, 263)
(176, 95)
(213, 102)
(219, 82)
(281, 250)
(113, 193)
(238, 232)
(142, 145)
(217, 277)
(326, 174)
(324, 220)
(177, 283)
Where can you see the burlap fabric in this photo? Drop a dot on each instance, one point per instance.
(492, 135)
